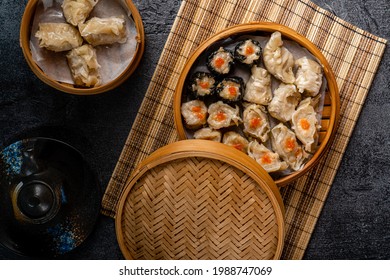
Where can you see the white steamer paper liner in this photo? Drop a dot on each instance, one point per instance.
(113, 59)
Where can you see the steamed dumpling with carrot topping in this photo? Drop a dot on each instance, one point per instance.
(269, 160)
(194, 113)
(278, 60)
(222, 115)
(256, 122)
(284, 142)
(220, 62)
(305, 124)
(309, 76)
(286, 99)
(235, 140)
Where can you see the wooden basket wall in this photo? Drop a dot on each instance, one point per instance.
(196, 199)
(331, 109)
(25, 33)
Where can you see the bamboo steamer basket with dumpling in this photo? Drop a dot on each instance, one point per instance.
(26, 33)
(331, 100)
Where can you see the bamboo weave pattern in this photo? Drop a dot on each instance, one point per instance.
(199, 209)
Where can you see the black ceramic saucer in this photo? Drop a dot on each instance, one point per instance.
(49, 198)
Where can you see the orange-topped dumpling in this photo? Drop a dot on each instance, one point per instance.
(202, 84)
(305, 124)
(223, 115)
(256, 122)
(220, 62)
(236, 141)
(194, 113)
(284, 142)
(269, 160)
(231, 89)
(248, 52)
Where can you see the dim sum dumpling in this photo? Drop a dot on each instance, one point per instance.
(305, 124)
(58, 37)
(309, 76)
(278, 60)
(269, 160)
(194, 113)
(286, 99)
(77, 11)
(222, 115)
(258, 87)
(235, 140)
(256, 122)
(208, 133)
(284, 142)
(104, 31)
(83, 64)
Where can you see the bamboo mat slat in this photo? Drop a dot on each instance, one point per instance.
(353, 54)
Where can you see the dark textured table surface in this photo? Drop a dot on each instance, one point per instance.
(355, 221)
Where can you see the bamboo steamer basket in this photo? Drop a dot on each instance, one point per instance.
(331, 109)
(25, 32)
(197, 199)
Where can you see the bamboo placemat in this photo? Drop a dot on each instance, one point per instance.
(354, 55)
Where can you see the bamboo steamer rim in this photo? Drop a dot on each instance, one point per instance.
(287, 33)
(209, 150)
(24, 40)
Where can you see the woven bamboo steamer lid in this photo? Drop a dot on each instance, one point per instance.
(197, 199)
(25, 32)
(331, 110)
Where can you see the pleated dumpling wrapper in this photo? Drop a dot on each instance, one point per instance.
(309, 76)
(58, 37)
(84, 67)
(284, 142)
(194, 113)
(223, 115)
(104, 31)
(77, 11)
(269, 160)
(305, 124)
(235, 140)
(286, 99)
(256, 123)
(258, 88)
(278, 60)
(208, 133)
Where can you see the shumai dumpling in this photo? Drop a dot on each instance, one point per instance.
(83, 64)
(309, 76)
(278, 60)
(235, 140)
(194, 113)
(286, 99)
(258, 87)
(104, 31)
(284, 142)
(208, 133)
(222, 115)
(305, 124)
(58, 37)
(269, 160)
(77, 11)
(256, 122)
